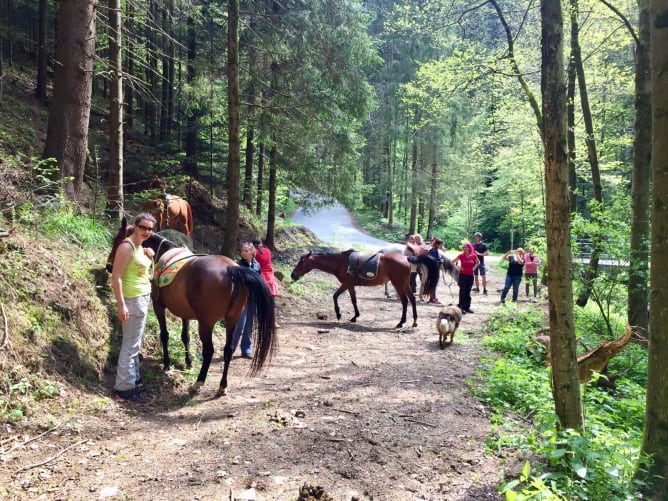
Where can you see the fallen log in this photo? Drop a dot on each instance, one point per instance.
(592, 361)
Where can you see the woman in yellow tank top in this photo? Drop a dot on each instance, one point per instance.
(131, 283)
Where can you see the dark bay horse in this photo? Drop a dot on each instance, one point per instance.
(446, 264)
(209, 288)
(393, 267)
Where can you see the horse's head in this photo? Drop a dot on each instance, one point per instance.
(124, 232)
(303, 267)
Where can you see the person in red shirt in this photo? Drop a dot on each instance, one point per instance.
(466, 263)
(263, 257)
(531, 264)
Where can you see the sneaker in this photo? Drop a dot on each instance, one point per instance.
(476, 289)
(503, 302)
(246, 355)
(468, 311)
(434, 300)
(130, 396)
(484, 292)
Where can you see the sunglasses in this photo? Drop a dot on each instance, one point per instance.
(145, 228)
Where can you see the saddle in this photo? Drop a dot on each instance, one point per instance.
(364, 266)
(169, 265)
(167, 199)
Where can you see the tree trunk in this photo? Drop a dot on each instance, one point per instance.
(432, 191)
(565, 384)
(234, 155)
(115, 182)
(591, 270)
(640, 184)
(260, 179)
(128, 91)
(271, 202)
(192, 130)
(164, 80)
(40, 89)
(67, 129)
(390, 176)
(413, 193)
(572, 174)
(2, 58)
(655, 439)
(248, 172)
(150, 118)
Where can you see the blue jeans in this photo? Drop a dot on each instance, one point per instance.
(244, 331)
(514, 281)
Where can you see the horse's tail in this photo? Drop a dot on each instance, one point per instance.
(261, 302)
(189, 223)
(450, 269)
(432, 272)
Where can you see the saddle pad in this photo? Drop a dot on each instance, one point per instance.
(169, 265)
(364, 266)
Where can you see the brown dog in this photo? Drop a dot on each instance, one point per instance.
(447, 323)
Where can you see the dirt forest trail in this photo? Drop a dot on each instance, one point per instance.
(364, 410)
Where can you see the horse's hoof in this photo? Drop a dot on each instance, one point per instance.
(195, 387)
(353, 320)
(414, 324)
(221, 392)
(399, 325)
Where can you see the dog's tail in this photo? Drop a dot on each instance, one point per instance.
(443, 325)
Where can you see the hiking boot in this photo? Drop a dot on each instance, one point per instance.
(129, 396)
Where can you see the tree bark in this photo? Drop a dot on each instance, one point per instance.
(234, 155)
(69, 114)
(128, 91)
(565, 384)
(655, 439)
(192, 129)
(115, 182)
(572, 174)
(591, 270)
(248, 171)
(414, 188)
(40, 88)
(271, 201)
(260, 179)
(641, 179)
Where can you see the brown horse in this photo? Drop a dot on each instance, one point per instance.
(392, 267)
(174, 213)
(170, 211)
(446, 265)
(209, 288)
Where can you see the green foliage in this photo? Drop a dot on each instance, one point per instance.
(20, 390)
(598, 463)
(75, 228)
(531, 488)
(378, 226)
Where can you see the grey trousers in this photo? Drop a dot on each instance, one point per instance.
(127, 372)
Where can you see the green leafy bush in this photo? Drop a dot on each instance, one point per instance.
(601, 462)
